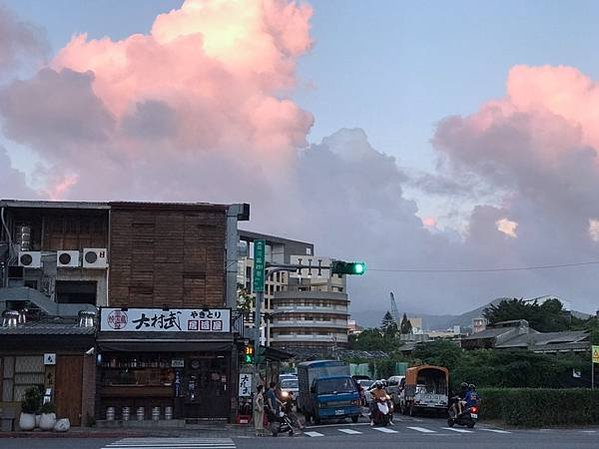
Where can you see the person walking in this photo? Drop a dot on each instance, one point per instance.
(259, 411)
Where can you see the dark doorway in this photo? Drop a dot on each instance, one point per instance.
(76, 292)
(206, 379)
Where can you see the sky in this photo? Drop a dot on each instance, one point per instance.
(428, 135)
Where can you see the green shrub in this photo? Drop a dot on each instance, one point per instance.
(32, 401)
(530, 407)
(48, 407)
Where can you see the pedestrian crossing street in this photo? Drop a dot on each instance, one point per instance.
(359, 430)
(172, 443)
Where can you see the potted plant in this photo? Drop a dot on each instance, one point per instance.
(48, 420)
(29, 406)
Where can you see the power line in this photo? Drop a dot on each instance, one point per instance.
(484, 270)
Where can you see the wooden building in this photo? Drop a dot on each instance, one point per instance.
(156, 260)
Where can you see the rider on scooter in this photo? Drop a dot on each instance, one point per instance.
(472, 398)
(378, 395)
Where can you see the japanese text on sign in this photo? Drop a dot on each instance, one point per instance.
(245, 385)
(173, 320)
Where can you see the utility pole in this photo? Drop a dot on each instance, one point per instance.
(263, 270)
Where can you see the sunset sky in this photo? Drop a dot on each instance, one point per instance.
(413, 135)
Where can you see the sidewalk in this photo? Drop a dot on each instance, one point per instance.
(207, 430)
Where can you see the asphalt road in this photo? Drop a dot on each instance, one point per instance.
(424, 433)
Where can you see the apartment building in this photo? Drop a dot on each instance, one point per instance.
(279, 250)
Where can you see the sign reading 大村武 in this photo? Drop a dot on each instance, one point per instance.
(171, 320)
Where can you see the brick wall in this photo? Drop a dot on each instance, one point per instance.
(167, 254)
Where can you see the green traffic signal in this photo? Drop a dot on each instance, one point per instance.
(351, 268)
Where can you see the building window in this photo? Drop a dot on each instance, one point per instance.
(76, 292)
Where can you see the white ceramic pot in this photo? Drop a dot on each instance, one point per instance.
(27, 421)
(62, 425)
(37, 420)
(48, 421)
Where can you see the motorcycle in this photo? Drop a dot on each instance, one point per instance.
(382, 413)
(467, 418)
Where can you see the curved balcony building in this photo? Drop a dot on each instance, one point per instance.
(309, 319)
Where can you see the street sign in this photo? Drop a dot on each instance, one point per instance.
(259, 264)
(595, 354)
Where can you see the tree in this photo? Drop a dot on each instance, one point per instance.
(388, 325)
(406, 325)
(547, 317)
(439, 352)
(369, 340)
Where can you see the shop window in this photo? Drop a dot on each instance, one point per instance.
(28, 371)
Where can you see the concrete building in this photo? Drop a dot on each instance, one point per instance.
(313, 312)
(278, 250)
(164, 276)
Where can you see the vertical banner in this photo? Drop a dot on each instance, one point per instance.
(595, 354)
(245, 385)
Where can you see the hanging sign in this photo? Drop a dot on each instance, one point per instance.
(595, 354)
(245, 385)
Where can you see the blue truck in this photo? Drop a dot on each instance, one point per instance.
(327, 391)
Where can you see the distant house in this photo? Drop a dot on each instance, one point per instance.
(517, 334)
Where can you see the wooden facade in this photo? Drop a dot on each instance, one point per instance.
(164, 254)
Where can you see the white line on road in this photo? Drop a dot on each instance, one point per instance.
(422, 429)
(457, 430)
(384, 430)
(493, 430)
(350, 431)
(314, 434)
(320, 426)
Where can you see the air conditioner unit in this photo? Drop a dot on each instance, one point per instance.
(30, 259)
(67, 259)
(95, 258)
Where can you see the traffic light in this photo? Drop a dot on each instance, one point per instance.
(352, 268)
(248, 354)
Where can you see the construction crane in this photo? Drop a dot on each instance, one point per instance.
(394, 310)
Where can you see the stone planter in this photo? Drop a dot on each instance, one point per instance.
(48, 421)
(62, 425)
(27, 421)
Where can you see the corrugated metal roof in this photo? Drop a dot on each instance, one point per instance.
(544, 338)
(488, 333)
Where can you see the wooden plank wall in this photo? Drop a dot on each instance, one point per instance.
(165, 256)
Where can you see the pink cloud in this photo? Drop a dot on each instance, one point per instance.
(207, 85)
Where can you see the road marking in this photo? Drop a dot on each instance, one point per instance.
(384, 430)
(457, 430)
(314, 434)
(174, 443)
(350, 431)
(320, 426)
(588, 431)
(493, 430)
(422, 429)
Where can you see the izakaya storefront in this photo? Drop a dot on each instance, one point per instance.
(170, 364)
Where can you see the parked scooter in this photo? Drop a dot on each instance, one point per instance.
(467, 418)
